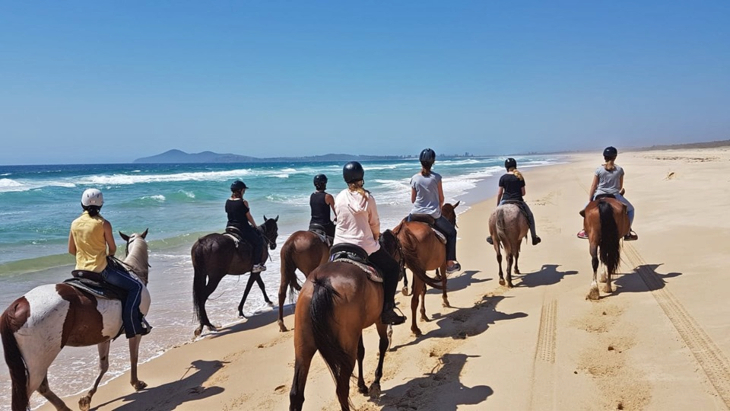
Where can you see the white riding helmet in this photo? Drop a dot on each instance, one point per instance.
(92, 197)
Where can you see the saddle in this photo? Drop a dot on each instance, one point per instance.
(320, 231)
(427, 219)
(95, 285)
(521, 205)
(598, 197)
(352, 254)
(235, 234)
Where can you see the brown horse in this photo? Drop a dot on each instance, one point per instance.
(335, 304)
(36, 326)
(423, 251)
(306, 251)
(508, 226)
(605, 222)
(216, 255)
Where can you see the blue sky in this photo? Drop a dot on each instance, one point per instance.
(94, 82)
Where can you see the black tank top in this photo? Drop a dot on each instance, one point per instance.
(237, 211)
(320, 209)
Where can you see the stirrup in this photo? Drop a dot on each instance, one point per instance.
(489, 240)
(257, 268)
(454, 268)
(391, 317)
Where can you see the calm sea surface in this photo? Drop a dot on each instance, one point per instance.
(178, 203)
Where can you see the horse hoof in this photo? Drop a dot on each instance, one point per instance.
(501, 281)
(517, 271)
(424, 319)
(139, 385)
(510, 285)
(416, 332)
(375, 390)
(362, 390)
(282, 327)
(85, 403)
(607, 288)
(593, 294)
(446, 304)
(197, 332)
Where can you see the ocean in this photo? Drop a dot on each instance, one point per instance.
(179, 203)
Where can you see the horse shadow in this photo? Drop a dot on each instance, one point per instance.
(439, 389)
(547, 275)
(170, 396)
(642, 279)
(460, 282)
(252, 322)
(466, 322)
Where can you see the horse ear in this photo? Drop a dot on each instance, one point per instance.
(124, 236)
(144, 235)
(457, 204)
(264, 217)
(277, 218)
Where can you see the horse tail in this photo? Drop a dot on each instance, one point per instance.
(500, 225)
(321, 311)
(14, 359)
(199, 278)
(609, 246)
(410, 252)
(289, 269)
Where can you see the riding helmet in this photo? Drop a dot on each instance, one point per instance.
(610, 152)
(320, 181)
(427, 156)
(238, 185)
(92, 197)
(510, 163)
(353, 172)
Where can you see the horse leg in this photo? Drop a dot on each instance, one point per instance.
(383, 347)
(404, 290)
(444, 296)
(593, 294)
(85, 402)
(133, 358)
(361, 387)
(304, 351)
(499, 262)
(607, 287)
(260, 282)
(46, 392)
(250, 282)
(282, 296)
(510, 260)
(417, 289)
(213, 281)
(517, 257)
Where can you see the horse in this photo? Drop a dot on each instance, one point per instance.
(336, 303)
(216, 255)
(508, 226)
(423, 251)
(605, 221)
(306, 251)
(36, 326)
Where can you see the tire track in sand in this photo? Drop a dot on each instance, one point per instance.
(709, 356)
(543, 370)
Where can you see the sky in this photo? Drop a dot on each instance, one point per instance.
(109, 82)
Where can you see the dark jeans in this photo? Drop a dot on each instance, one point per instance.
(253, 237)
(390, 269)
(443, 225)
(131, 316)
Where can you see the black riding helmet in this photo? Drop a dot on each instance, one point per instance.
(610, 152)
(238, 185)
(510, 163)
(427, 156)
(320, 181)
(353, 172)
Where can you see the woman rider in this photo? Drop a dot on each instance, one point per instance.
(91, 241)
(512, 187)
(609, 180)
(358, 223)
(321, 203)
(239, 216)
(427, 196)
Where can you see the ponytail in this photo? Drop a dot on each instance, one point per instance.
(517, 174)
(357, 187)
(610, 166)
(92, 210)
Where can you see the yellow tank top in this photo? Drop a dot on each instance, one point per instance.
(88, 235)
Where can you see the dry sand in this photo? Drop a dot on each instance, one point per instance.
(661, 341)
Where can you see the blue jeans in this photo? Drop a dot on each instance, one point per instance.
(131, 316)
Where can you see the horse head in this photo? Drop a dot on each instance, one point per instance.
(390, 243)
(137, 257)
(270, 230)
(449, 212)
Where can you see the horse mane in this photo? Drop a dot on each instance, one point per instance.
(137, 259)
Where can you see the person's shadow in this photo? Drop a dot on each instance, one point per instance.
(439, 389)
(648, 279)
(547, 275)
(169, 396)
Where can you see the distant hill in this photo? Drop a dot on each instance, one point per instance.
(180, 157)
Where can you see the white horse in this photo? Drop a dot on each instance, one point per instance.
(35, 327)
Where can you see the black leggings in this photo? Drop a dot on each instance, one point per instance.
(390, 269)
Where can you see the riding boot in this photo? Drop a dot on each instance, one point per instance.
(389, 316)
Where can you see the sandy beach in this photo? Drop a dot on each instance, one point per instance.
(661, 341)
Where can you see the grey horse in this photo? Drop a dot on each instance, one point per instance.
(508, 226)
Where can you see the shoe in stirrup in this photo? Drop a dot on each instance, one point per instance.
(455, 268)
(489, 240)
(146, 327)
(389, 316)
(257, 268)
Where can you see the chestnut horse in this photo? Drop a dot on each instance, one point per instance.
(423, 251)
(508, 226)
(606, 222)
(216, 255)
(306, 251)
(37, 326)
(336, 303)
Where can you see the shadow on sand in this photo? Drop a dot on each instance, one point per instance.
(460, 282)
(648, 279)
(169, 396)
(547, 275)
(439, 389)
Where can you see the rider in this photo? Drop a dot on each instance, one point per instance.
(239, 216)
(427, 196)
(359, 224)
(609, 179)
(512, 188)
(321, 203)
(91, 241)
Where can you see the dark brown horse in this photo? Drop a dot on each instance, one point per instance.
(336, 303)
(214, 256)
(606, 222)
(306, 251)
(508, 226)
(423, 251)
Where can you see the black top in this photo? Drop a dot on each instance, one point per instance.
(512, 187)
(237, 210)
(320, 209)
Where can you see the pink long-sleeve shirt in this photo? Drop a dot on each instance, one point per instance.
(358, 222)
